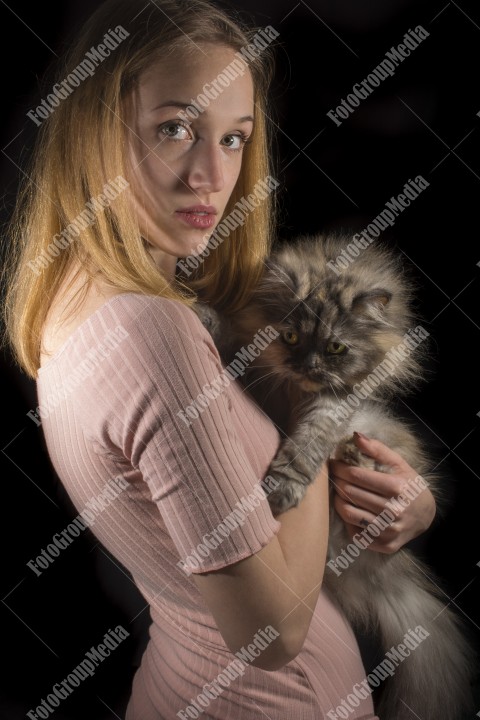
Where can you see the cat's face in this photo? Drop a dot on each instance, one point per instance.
(333, 332)
(325, 344)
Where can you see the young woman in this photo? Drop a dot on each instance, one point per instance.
(138, 161)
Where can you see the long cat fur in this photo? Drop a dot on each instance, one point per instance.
(366, 307)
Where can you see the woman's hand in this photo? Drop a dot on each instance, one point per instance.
(362, 494)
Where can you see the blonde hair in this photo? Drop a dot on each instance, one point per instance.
(81, 146)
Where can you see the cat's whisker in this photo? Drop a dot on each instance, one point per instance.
(274, 387)
(340, 381)
(332, 388)
(258, 380)
(265, 366)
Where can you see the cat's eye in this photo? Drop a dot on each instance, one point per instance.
(336, 348)
(290, 337)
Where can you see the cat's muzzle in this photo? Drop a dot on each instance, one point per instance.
(310, 384)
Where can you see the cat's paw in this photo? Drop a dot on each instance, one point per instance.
(349, 453)
(290, 483)
(287, 494)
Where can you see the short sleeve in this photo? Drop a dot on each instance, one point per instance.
(178, 425)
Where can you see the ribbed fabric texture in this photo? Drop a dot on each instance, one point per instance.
(113, 413)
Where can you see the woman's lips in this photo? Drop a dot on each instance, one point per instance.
(199, 216)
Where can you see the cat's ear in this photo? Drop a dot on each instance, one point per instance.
(374, 300)
(276, 271)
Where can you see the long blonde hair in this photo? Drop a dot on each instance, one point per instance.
(81, 146)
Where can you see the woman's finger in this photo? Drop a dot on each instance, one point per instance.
(356, 495)
(385, 484)
(382, 543)
(351, 514)
(378, 533)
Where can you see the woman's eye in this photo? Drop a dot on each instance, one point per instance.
(234, 142)
(290, 337)
(336, 348)
(174, 131)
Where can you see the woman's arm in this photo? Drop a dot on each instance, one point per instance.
(277, 586)
(197, 470)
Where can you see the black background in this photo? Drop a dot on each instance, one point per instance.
(424, 120)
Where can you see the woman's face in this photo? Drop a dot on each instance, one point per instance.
(185, 169)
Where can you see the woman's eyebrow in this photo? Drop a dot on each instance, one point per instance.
(171, 103)
(183, 106)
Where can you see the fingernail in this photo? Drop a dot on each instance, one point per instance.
(361, 435)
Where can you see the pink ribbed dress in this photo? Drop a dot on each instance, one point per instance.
(112, 412)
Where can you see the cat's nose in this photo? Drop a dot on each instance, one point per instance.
(313, 361)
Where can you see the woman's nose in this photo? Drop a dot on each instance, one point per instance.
(206, 169)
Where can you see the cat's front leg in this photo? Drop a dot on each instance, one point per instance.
(303, 453)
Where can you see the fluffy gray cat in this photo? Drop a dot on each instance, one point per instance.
(347, 340)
